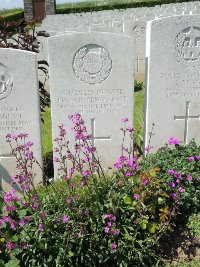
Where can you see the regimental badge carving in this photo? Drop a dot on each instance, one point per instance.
(6, 82)
(187, 47)
(92, 64)
(138, 32)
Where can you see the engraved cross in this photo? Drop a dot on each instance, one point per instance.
(104, 138)
(186, 119)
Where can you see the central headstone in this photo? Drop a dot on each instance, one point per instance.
(173, 79)
(93, 75)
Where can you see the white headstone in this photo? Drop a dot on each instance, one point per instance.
(19, 108)
(93, 75)
(173, 78)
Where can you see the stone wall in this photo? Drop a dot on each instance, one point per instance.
(50, 7)
(28, 9)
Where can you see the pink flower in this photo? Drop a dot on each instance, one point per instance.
(172, 184)
(68, 200)
(145, 181)
(106, 229)
(173, 141)
(148, 149)
(189, 177)
(86, 173)
(170, 171)
(174, 195)
(198, 157)
(124, 120)
(177, 175)
(42, 215)
(127, 174)
(40, 228)
(136, 196)
(115, 232)
(191, 159)
(181, 189)
(65, 219)
(55, 159)
(114, 247)
(10, 245)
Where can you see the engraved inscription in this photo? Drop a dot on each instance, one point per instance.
(6, 82)
(138, 32)
(187, 47)
(12, 119)
(181, 84)
(92, 64)
(88, 101)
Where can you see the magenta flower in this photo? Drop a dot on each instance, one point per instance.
(107, 230)
(198, 157)
(40, 228)
(42, 215)
(127, 174)
(114, 247)
(115, 232)
(109, 216)
(181, 189)
(172, 184)
(124, 120)
(174, 195)
(170, 171)
(148, 149)
(136, 196)
(173, 141)
(177, 175)
(189, 177)
(86, 173)
(191, 159)
(68, 200)
(65, 219)
(10, 245)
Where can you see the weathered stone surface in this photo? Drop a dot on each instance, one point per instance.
(19, 109)
(173, 78)
(92, 74)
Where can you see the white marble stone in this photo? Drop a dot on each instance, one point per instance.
(19, 108)
(92, 74)
(173, 78)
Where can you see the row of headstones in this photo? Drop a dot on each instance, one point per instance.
(93, 74)
(117, 21)
(64, 21)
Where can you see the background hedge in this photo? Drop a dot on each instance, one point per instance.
(94, 6)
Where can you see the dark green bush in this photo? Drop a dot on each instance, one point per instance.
(90, 7)
(14, 16)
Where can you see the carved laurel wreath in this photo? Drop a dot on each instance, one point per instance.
(95, 77)
(6, 82)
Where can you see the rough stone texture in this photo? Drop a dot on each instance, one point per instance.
(19, 109)
(28, 9)
(50, 7)
(173, 78)
(92, 74)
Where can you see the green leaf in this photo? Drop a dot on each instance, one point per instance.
(161, 200)
(127, 200)
(152, 228)
(2, 263)
(143, 224)
(13, 263)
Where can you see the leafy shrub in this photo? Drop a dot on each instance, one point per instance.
(138, 86)
(179, 166)
(86, 218)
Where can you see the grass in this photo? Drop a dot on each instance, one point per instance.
(10, 11)
(47, 131)
(46, 126)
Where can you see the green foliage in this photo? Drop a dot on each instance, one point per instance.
(12, 16)
(193, 225)
(46, 132)
(138, 86)
(89, 6)
(138, 120)
(182, 159)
